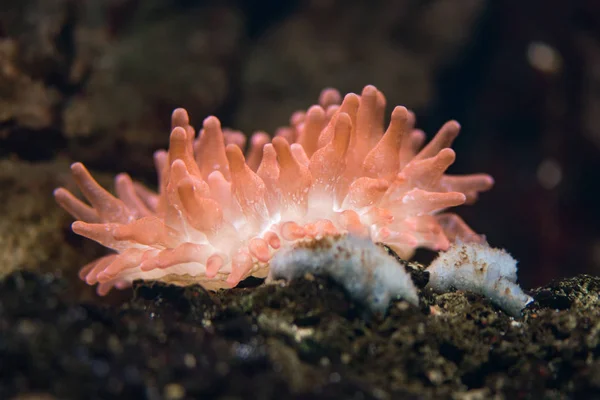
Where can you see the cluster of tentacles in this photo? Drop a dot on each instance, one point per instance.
(219, 215)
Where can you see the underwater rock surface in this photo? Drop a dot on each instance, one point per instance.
(302, 340)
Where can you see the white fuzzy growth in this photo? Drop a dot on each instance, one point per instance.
(365, 270)
(481, 269)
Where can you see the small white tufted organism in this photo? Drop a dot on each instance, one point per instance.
(370, 276)
(481, 269)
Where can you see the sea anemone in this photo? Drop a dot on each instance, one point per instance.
(218, 216)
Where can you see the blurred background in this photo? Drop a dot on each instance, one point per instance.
(96, 80)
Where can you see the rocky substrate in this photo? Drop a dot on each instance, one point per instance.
(302, 340)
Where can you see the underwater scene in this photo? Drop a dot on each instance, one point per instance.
(320, 199)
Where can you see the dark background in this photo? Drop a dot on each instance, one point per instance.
(96, 81)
